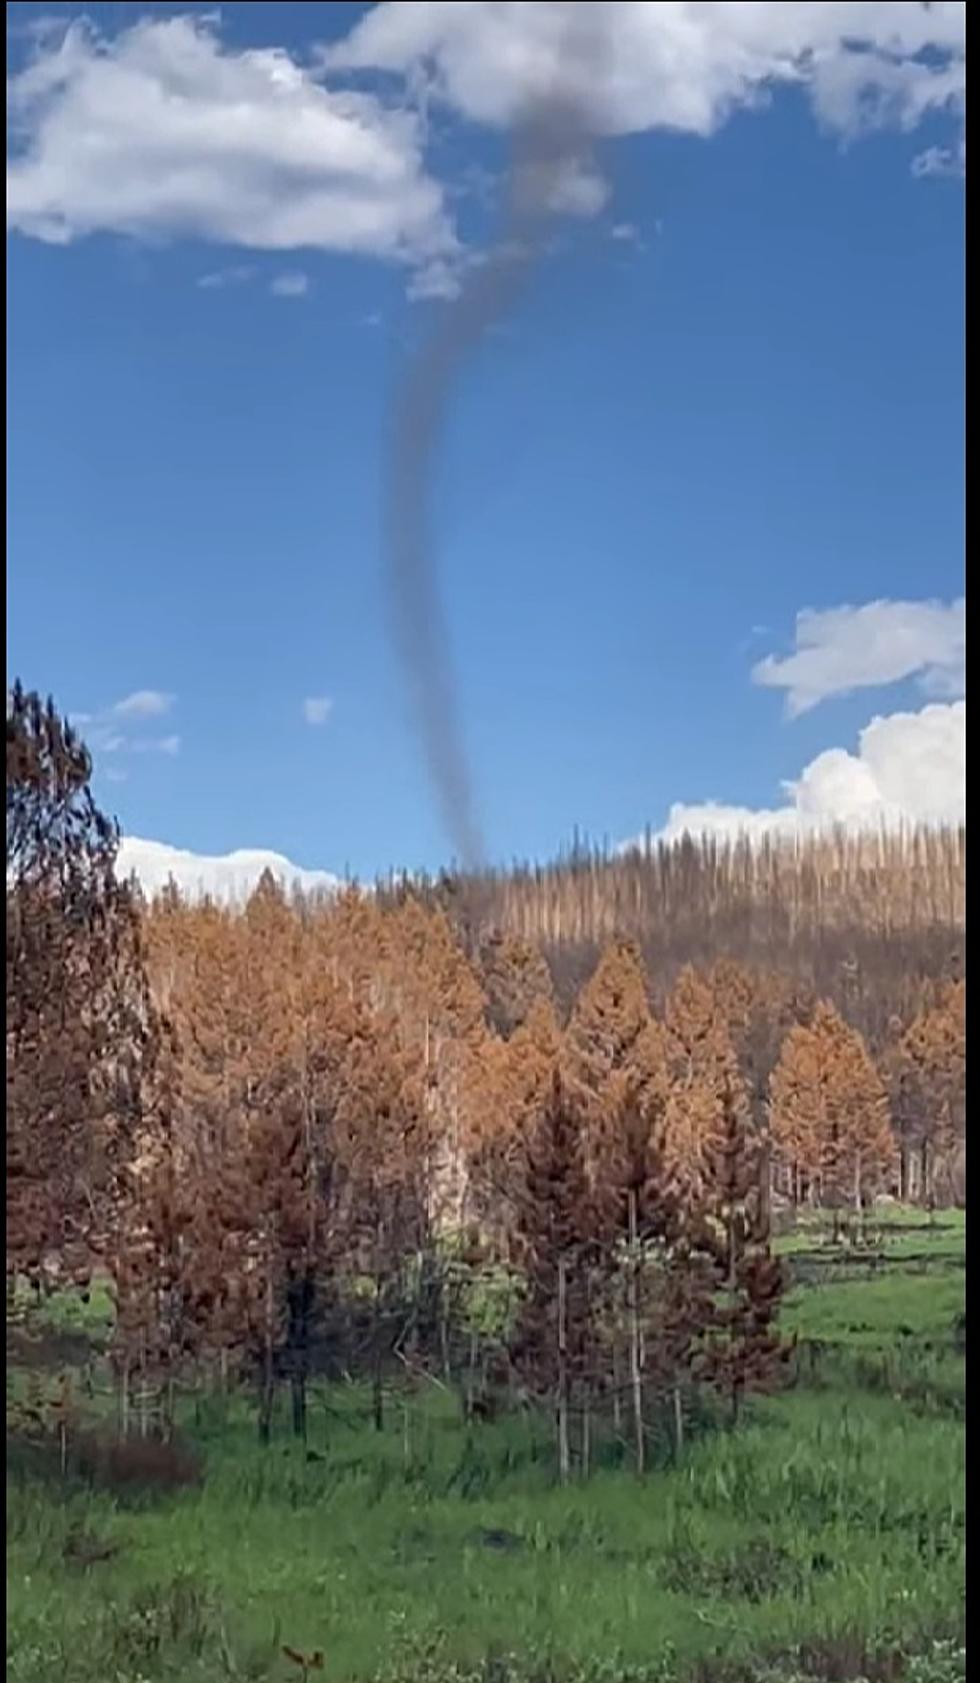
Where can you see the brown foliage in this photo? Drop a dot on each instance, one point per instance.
(829, 1111)
(82, 1036)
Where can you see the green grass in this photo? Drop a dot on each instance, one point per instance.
(429, 1553)
(90, 1316)
(877, 1313)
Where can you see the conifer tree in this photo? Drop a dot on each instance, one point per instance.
(81, 1030)
(608, 1021)
(702, 1067)
(742, 1351)
(515, 977)
(555, 1228)
(829, 1111)
(932, 1075)
(382, 1141)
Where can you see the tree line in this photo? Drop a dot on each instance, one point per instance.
(366, 1133)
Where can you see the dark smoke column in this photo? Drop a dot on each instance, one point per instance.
(551, 155)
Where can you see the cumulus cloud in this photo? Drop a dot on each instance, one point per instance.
(229, 877)
(909, 768)
(317, 709)
(295, 285)
(685, 66)
(844, 649)
(144, 704)
(163, 131)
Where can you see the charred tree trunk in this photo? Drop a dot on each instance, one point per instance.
(564, 1454)
(636, 1366)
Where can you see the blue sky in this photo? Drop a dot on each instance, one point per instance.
(733, 393)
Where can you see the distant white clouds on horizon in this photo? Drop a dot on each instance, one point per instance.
(163, 130)
(909, 768)
(839, 650)
(227, 877)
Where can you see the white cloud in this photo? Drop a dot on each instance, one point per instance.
(162, 131)
(317, 709)
(941, 160)
(438, 279)
(107, 732)
(154, 745)
(228, 877)
(295, 285)
(683, 66)
(237, 275)
(840, 650)
(144, 704)
(910, 768)
(102, 739)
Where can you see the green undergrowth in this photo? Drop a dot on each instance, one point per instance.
(822, 1539)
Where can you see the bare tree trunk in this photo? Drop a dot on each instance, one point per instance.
(124, 1401)
(564, 1457)
(298, 1387)
(267, 1398)
(765, 1184)
(617, 1402)
(678, 1422)
(447, 1366)
(470, 1392)
(144, 1397)
(636, 1374)
(586, 1437)
(377, 1388)
(929, 1155)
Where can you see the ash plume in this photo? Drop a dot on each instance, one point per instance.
(551, 172)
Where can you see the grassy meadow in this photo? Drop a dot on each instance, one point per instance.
(823, 1538)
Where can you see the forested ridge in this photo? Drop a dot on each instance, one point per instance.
(526, 1133)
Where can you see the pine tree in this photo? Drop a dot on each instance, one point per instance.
(931, 1070)
(702, 1068)
(742, 1351)
(383, 1146)
(759, 1008)
(555, 1226)
(81, 1030)
(829, 1111)
(515, 978)
(640, 1209)
(609, 1019)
